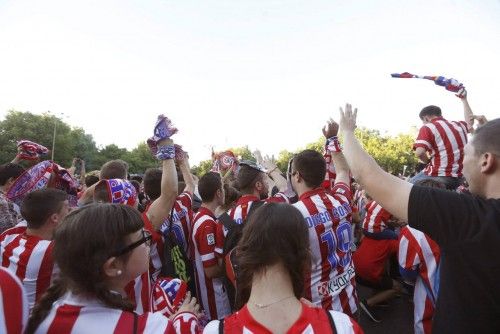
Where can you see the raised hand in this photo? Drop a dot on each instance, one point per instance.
(348, 118)
(331, 129)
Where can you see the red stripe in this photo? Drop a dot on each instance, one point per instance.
(427, 316)
(141, 323)
(460, 145)
(145, 292)
(447, 146)
(12, 301)
(7, 253)
(45, 272)
(125, 323)
(326, 302)
(24, 257)
(64, 319)
(211, 298)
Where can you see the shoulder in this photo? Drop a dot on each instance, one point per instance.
(212, 327)
(344, 323)
(154, 323)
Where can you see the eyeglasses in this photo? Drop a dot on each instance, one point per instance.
(146, 239)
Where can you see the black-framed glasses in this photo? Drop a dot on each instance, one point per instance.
(146, 239)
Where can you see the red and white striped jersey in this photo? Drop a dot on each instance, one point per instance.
(72, 314)
(210, 290)
(419, 261)
(375, 218)
(330, 283)
(13, 304)
(445, 142)
(30, 259)
(312, 320)
(139, 292)
(240, 212)
(181, 217)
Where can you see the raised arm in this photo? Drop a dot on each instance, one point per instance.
(389, 191)
(468, 115)
(330, 132)
(161, 207)
(186, 174)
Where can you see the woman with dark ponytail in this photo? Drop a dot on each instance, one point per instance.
(99, 249)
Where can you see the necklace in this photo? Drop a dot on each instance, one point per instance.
(267, 305)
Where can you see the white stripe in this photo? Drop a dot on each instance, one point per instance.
(424, 142)
(454, 148)
(33, 270)
(16, 253)
(207, 257)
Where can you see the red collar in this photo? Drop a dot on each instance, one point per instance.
(310, 193)
(247, 198)
(206, 211)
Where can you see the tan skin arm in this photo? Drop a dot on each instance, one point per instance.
(389, 191)
(161, 207)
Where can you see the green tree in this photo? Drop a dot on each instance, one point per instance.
(140, 159)
(202, 168)
(69, 142)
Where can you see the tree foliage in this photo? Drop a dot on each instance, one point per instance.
(391, 152)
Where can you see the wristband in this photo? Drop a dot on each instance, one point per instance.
(333, 144)
(165, 152)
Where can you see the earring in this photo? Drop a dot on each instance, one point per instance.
(119, 272)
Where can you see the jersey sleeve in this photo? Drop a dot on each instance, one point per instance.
(186, 199)
(205, 243)
(408, 258)
(424, 139)
(13, 302)
(219, 239)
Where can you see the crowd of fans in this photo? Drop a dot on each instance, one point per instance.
(247, 248)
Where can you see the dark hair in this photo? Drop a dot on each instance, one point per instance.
(311, 166)
(152, 183)
(114, 169)
(430, 111)
(40, 204)
(101, 194)
(90, 180)
(136, 177)
(431, 183)
(86, 239)
(487, 138)
(247, 177)
(136, 185)
(208, 186)
(275, 232)
(8, 171)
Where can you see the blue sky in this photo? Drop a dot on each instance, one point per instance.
(266, 74)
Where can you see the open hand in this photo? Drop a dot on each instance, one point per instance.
(348, 118)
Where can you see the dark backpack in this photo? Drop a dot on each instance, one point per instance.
(176, 264)
(233, 236)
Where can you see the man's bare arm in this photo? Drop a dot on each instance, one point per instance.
(161, 207)
(389, 191)
(421, 154)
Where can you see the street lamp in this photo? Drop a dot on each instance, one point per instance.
(54, 136)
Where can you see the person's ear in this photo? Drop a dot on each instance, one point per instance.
(488, 163)
(113, 267)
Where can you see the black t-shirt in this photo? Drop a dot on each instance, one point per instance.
(467, 228)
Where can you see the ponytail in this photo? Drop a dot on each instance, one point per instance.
(42, 308)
